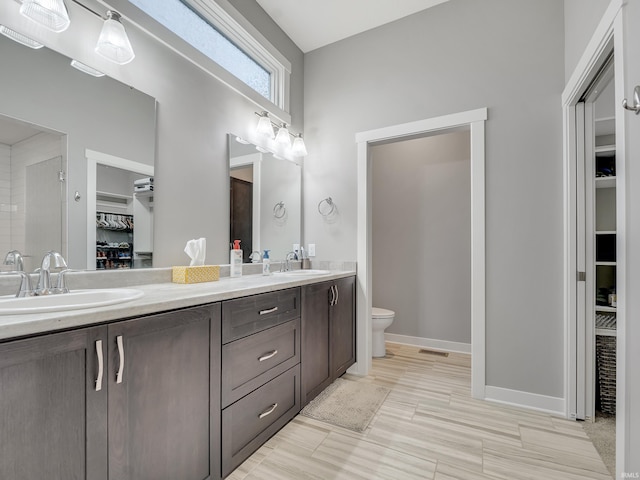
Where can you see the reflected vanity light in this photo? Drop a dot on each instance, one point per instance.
(281, 141)
(20, 38)
(242, 141)
(113, 43)
(282, 138)
(86, 69)
(51, 14)
(299, 149)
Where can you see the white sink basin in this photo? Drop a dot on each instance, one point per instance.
(304, 273)
(74, 300)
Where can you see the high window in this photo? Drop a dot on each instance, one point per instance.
(207, 28)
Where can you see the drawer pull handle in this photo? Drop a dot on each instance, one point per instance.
(268, 411)
(100, 365)
(121, 355)
(269, 310)
(268, 356)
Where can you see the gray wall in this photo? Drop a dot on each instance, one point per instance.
(195, 113)
(581, 17)
(458, 56)
(421, 228)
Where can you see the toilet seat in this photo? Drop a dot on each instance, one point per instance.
(381, 313)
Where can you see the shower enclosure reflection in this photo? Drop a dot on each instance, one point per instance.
(32, 193)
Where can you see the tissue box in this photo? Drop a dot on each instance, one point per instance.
(196, 274)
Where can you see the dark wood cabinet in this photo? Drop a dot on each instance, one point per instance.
(187, 394)
(316, 370)
(132, 400)
(328, 334)
(343, 327)
(260, 371)
(53, 420)
(164, 395)
(253, 419)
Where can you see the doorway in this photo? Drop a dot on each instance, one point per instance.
(475, 121)
(421, 238)
(581, 283)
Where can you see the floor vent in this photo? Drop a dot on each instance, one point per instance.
(434, 352)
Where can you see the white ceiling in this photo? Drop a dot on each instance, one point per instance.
(313, 24)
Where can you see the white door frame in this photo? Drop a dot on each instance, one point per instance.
(608, 32)
(475, 119)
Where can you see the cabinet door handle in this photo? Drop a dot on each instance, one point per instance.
(268, 411)
(333, 296)
(337, 294)
(269, 310)
(268, 356)
(121, 355)
(100, 365)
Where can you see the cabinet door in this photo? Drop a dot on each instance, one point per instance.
(315, 349)
(53, 421)
(343, 327)
(164, 396)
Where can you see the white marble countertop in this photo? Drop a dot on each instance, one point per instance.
(158, 297)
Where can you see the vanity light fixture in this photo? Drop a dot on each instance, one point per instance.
(299, 149)
(86, 69)
(20, 38)
(282, 137)
(113, 43)
(51, 14)
(264, 128)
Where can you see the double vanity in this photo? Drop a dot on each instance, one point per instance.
(183, 382)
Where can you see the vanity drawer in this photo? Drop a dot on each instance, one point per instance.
(252, 361)
(249, 422)
(245, 316)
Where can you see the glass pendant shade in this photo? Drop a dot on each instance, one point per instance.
(282, 138)
(113, 43)
(51, 14)
(264, 127)
(18, 37)
(299, 149)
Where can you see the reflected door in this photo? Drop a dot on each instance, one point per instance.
(242, 215)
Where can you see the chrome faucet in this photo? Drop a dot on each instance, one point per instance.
(25, 289)
(50, 260)
(14, 257)
(252, 258)
(286, 266)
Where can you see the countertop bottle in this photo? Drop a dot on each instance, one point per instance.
(235, 260)
(266, 263)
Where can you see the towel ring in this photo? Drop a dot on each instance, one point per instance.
(329, 209)
(279, 210)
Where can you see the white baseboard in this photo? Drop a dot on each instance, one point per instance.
(434, 344)
(533, 401)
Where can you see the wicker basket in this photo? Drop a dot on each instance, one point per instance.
(606, 367)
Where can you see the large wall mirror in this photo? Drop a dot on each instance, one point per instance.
(52, 117)
(265, 200)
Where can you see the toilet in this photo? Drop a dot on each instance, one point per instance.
(380, 319)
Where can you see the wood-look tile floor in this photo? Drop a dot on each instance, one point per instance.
(429, 427)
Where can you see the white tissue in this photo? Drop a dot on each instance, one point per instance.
(197, 250)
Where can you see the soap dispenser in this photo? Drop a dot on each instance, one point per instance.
(266, 263)
(235, 260)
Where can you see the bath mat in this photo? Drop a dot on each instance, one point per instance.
(347, 404)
